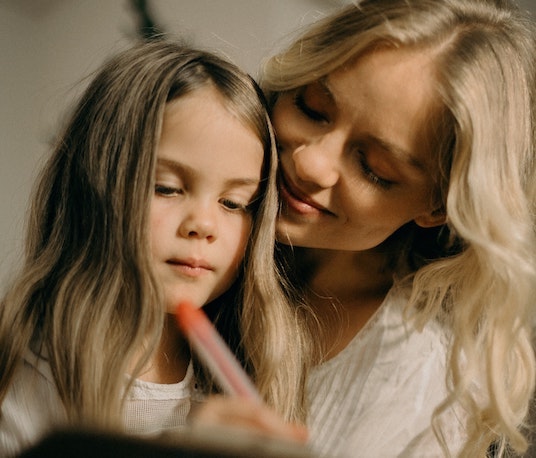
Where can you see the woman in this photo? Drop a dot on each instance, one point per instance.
(407, 178)
(406, 138)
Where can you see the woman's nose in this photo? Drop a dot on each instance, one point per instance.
(318, 162)
(199, 222)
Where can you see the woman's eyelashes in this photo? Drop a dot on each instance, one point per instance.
(312, 113)
(321, 116)
(370, 175)
(317, 116)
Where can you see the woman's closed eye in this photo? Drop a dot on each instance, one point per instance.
(311, 113)
(370, 175)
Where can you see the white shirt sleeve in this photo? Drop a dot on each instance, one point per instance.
(31, 408)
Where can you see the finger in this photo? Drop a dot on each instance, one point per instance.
(249, 416)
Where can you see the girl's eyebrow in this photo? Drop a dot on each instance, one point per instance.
(180, 168)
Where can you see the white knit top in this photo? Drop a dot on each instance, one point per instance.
(32, 407)
(376, 397)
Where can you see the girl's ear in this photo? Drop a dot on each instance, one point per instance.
(432, 219)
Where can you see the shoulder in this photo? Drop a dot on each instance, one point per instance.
(400, 335)
(31, 406)
(384, 387)
(388, 340)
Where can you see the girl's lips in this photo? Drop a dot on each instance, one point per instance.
(190, 267)
(298, 201)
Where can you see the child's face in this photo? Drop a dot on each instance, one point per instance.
(208, 172)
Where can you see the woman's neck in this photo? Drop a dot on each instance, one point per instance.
(344, 289)
(348, 275)
(171, 359)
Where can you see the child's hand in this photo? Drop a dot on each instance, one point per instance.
(246, 415)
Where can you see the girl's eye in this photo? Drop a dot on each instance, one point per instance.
(167, 191)
(234, 206)
(371, 176)
(314, 115)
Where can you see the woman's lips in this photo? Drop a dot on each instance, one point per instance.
(298, 201)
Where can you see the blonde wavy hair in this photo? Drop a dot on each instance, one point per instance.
(86, 297)
(477, 273)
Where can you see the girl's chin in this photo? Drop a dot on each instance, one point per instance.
(172, 303)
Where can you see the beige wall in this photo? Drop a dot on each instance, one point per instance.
(48, 46)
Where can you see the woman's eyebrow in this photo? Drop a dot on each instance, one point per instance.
(398, 152)
(324, 84)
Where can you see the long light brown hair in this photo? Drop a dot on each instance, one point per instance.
(86, 298)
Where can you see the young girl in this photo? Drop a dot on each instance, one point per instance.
(163, 180)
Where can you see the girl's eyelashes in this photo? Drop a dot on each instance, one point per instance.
(228, 204)
(167, 191)
(232, 205)
(311, 113)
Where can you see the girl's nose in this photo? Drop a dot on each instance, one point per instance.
(199, 222)
(318, 162)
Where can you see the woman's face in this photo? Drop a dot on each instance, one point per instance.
(354, 153)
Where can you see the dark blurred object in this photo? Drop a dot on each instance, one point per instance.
(148, 29)
(209, 443)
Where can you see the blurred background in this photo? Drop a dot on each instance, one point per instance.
(49, 47)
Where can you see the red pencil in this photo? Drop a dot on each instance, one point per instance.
(213, 351)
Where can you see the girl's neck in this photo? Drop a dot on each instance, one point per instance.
(171, 359)
(344, 289)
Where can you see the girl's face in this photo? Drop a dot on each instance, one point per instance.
(208, 173)
(354, 153)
